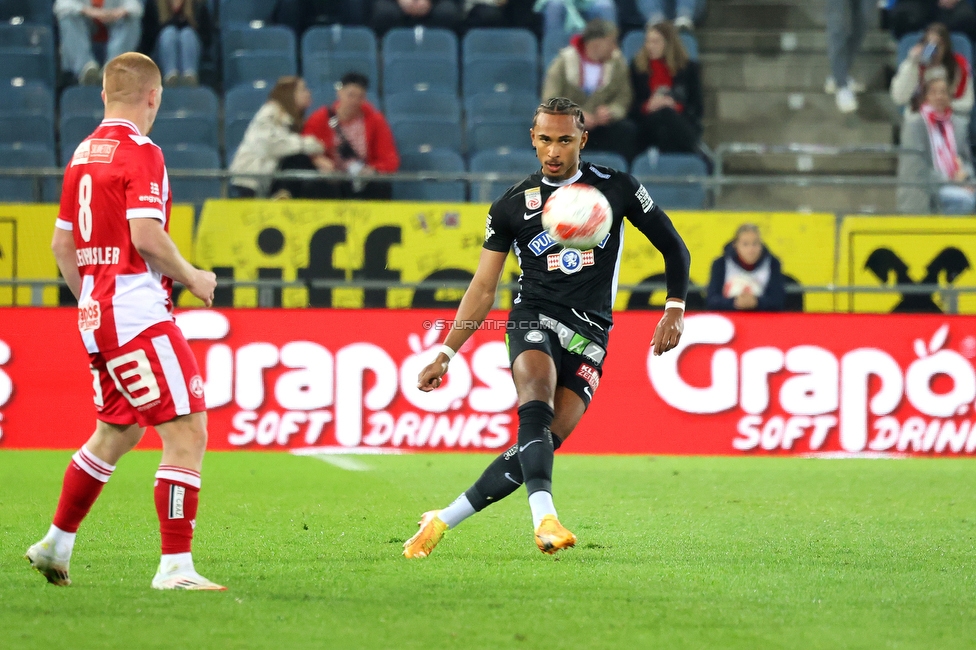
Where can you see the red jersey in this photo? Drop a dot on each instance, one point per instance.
(115, 175)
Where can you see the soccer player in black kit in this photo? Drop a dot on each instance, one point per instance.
(557, 331)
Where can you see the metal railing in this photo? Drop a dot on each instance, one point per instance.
(268, 288)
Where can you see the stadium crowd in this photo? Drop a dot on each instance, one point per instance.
(473, 68)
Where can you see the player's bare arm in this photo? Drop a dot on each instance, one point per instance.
(477, 302)
(63, 246)
(161, 254)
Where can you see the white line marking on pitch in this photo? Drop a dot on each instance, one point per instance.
(343, 462)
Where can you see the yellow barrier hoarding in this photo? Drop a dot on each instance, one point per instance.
(887, 250)
(25, 246)
(804, 243)
(411, 242)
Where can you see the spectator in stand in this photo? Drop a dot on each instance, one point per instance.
(683, 13)
(592, 72)
(388, 14)
(747, 276)
(499, 13)
(118, 23)
(357, 140)
(934, 51)
(907, 16)
(937, 132)
(847, 23)
(273, 141)
(571, 16)
(668, 104)
(185, 28)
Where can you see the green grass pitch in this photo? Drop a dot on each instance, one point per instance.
(672, 553)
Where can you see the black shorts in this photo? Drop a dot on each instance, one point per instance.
(527, 330)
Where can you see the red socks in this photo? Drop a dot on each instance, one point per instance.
(83, 482)
(177, 493)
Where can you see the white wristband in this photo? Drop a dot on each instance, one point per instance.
(674, 304)
(448, 351)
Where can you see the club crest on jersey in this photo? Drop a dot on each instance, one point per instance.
(96, 150)
(569, 260)
(533, 198)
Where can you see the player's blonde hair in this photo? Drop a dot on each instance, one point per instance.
(129, 77)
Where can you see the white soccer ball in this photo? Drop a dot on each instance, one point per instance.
(577, 216)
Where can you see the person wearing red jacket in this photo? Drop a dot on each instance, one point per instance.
(356, 138)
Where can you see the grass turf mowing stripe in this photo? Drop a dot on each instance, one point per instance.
(673, 552)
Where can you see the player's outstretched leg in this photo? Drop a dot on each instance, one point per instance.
(535, 452)
(502, 477)
(83, 482)
(177, 494)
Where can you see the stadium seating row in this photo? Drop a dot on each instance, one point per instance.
(202, 157)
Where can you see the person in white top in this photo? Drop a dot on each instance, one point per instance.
(112, 245)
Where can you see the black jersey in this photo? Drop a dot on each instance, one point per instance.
(581, 285)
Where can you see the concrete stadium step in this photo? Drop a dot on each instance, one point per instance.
(793, 71)
(784, 41)
(814, 198)
(767, 14)
(735, 106)
(841, 164)
(840, 131)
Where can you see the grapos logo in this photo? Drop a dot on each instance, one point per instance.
(6, 385)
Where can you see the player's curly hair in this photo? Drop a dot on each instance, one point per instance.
(561, 106)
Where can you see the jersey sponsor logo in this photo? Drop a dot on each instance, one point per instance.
(598, 172)
(489, 231)
(96, 150)
(590, 374)
(569, 260)
(150, 199)
(533, 198)
(97, 255)
(541, 243)
(196, 386)
(154, 189)
(89, 315)
(535, 336)
(645, 199)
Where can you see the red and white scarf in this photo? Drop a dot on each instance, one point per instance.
(943, 140)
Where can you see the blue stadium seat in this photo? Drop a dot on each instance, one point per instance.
(404, 41)
(182, 102)
(330, 52)
(423, 105)
(243, 101)
(188, 156)
(72, 130)
(27, 63)
(238, 12)
(518, 162)
(426, 134)
(634, 40)
(960, 44)
(82, 100)
(33, 12)
(36, 41)
(247, 67)
(687, 196)
(552, 42)
(501, 74)
(499, 133)
(194, 129)
(420, 73)
(491, 105)
(437, 160)
(27, 129)
(495, 41)
(21, 189)
(32, 98)
(233, 134)
(607, 159)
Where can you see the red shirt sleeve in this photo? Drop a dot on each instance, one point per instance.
(146, 186)
(382, 155)
(317, 125)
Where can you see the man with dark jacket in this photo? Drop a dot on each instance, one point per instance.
(357, 139)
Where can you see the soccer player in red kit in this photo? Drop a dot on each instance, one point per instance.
(112, 245)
